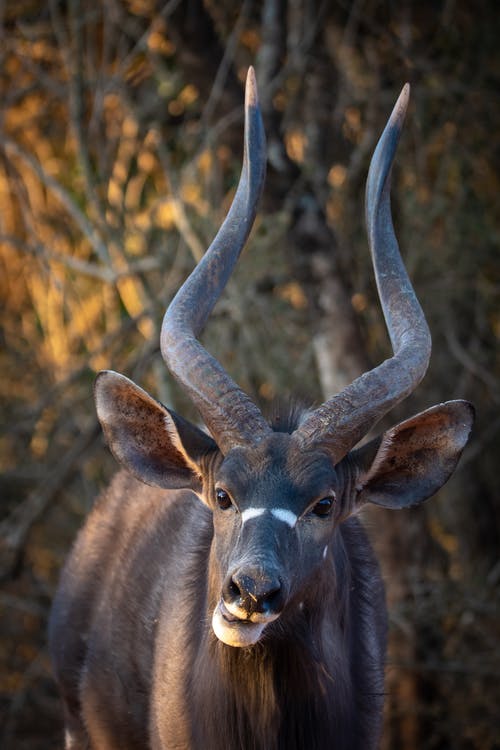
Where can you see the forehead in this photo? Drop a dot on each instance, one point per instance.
(275, 468)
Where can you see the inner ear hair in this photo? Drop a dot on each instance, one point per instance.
(412, 460)
(152, 442)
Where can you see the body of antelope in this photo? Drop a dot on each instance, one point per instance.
(223, 593)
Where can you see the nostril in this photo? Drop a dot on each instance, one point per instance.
(271, 599)
(254, 593)
(233, 589)
(231, 592)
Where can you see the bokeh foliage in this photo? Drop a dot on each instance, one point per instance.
(120, 149)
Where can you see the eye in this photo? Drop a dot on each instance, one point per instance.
(323, 507)
(223, 499)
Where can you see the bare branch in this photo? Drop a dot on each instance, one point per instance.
(15, 528)
(63, 195)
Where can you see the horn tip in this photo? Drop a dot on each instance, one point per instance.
(399, 111)
(251, 94)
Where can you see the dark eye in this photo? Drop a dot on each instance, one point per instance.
(223, 499)
(323, 506)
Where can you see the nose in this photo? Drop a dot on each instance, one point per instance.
(254, 591)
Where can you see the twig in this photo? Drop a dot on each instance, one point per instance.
(179, 214)
(470, 364)
(106, 275)
(63, 195)
(75, 65)
(15, 528)
(223, 70)
(139, 46)
(35, 667)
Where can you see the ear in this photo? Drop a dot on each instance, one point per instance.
(152, 442)
(411, 461)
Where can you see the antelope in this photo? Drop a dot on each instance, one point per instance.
(223, 593)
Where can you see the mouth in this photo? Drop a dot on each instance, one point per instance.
(234, 631)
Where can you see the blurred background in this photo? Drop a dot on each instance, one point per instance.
(120, 149)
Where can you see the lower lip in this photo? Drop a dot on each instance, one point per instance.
(234, 632)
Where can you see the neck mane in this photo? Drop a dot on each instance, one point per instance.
(282, 693)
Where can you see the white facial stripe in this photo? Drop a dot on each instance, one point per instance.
(251, 513)
(282, 514)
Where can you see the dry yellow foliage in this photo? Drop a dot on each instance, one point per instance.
(295, 144)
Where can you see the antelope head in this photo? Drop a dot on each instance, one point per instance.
(278, 498)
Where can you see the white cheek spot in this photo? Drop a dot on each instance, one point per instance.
(325, 552)
(285, 515)
(251, 513)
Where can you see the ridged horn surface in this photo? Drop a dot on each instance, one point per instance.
(230, 415)
(346, 417)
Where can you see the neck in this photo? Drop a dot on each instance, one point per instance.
(282, 692)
